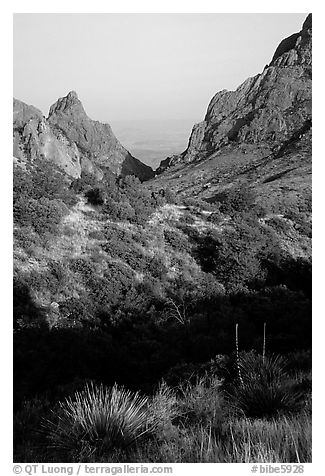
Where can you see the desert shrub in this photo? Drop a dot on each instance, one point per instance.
(96, 235)
(120, 244)
(105, 290)
(45, 180)
(201, 402)
(25, 311)
(163, 406)
(163, 196)
(279, 225)
(187, 219)
(26, 237)
(123, 199)
(119, 210)
(74, 309)
(171, 197)
(96, 196)
(301, 222)
(215, 217)
(236, 200)
(82, 266)
(84, 183)
(157, 268)
(261, 389)
(138, 197)
(231, 261)
(197, 203)
(296, 274)
(41, 197)
(97, 420)
(176, 240)
(46, 280)
(42, 214)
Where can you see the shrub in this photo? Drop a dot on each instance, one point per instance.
(171, 197)
(42, 214)
(230, 257)
(44, 180)
(236, 200)
(164, 406)
(157, 268)
(176, 240)
(84, 183)
(99, 419)
(96, 196)
(215, 217)
(280, 225)
(202, 402)
(187, 218)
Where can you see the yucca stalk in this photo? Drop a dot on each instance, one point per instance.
(264, 342)
(237, 356)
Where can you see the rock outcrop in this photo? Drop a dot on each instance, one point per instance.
(94, 140)
(268, 110)
(33, 138)
(72, 140)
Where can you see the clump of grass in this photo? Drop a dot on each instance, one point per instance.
(163, 405)
(281, 440)
(263, 388)
(201, 402)
(244, 440)
(99, 419)
(188, 424)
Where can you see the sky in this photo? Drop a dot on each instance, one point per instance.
(142, 66)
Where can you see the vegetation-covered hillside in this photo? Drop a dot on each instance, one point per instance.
(170, 320)
(117, 282)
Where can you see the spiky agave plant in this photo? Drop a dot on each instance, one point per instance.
(98, 419)
(263, 388)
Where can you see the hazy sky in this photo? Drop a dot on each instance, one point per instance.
(142, 66)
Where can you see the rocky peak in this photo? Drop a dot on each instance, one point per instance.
(34, 139)
(69, 104)
(96, 142)
(23, 113)
(267, 110)
(296, 49)
(307, 25)
(72, 140)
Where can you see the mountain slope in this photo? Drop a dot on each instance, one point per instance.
(71, 140)
(261, 130)
(118, 281)
(34, 139)
(95, 141)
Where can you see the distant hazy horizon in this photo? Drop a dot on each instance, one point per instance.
(151, 141)
(142, 66)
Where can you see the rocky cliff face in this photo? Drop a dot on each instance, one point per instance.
(33, 138)
(268, 110)
(95, 141)
(72, 140)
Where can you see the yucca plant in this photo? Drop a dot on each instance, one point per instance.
(99, 419)
(262, 388)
